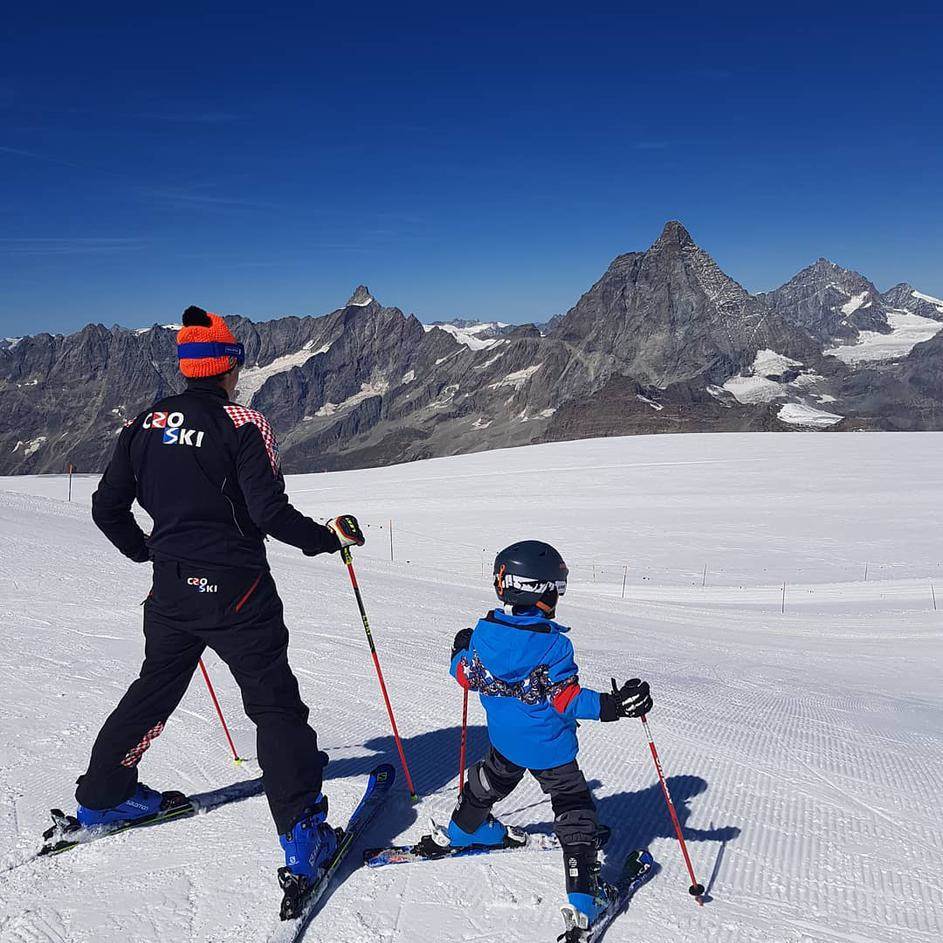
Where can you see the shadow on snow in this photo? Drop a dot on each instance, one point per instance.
(433, 764)
(636, 818)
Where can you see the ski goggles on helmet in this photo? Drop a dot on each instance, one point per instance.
(197, 350)
(538, 587)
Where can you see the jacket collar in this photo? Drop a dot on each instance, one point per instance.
(207, 386)
(531, 621)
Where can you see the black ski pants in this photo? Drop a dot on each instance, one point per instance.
(238, 614)
(495, 777)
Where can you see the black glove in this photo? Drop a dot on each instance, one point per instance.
(347, 531)
(633, 699)
(462, 641)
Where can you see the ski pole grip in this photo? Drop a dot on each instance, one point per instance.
(346, 555)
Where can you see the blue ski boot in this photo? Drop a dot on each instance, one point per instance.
(490, 833)
(310, 844)
(588, 896)
(142, 803)
(586, 908)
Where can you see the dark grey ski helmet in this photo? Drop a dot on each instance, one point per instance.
(530, 573)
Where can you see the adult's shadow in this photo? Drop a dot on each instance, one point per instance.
(432, 757)
(638, 818)
(433, 765)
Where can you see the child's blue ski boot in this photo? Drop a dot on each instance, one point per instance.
(587, 896)
(491, 834)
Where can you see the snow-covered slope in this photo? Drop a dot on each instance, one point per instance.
(936, 302)
(252, 378)
(474, 336)
(804, 747)
(907, 330)
(799, 414)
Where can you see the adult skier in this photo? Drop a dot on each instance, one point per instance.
(207, 472)
(522, 665)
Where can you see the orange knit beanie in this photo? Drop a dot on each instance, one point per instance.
(205, 345)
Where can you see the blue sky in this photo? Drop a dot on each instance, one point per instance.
(488, 162)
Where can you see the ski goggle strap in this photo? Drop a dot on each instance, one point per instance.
(197, 350)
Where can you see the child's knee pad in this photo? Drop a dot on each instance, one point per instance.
(481, 787)
(577, 827)
(477, 798)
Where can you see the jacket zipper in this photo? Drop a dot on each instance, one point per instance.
(232, 507)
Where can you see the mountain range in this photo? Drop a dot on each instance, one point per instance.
(665, 341)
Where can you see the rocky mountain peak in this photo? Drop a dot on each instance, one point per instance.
(360, 298)
(671, 315)
(826, 269)
(674, 234)
(904, 296)
(676, 252)
(831, 302)
(822, 264)
(901, 289)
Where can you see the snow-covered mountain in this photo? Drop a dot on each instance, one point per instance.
(857, 323)
(665, 341)
(907, 298)
(830, 302)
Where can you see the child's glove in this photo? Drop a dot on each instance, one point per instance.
(462, 641)
(633, 699)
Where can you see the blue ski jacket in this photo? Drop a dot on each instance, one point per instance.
(523, 668)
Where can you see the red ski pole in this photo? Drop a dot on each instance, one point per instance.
(695, 890)
(461, 752)
(219, 711)
(348, 559)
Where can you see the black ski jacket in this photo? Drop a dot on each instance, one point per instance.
(207, 471)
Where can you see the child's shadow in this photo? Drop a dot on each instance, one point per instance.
(638, 818)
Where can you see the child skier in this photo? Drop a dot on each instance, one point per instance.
(521, 663)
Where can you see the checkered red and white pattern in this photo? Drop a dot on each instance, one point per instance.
(133, 756)
(242, 415)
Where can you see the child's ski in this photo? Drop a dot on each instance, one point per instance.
(638, 868)
(300, 901)
(426, 849)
